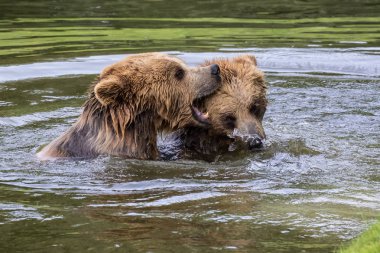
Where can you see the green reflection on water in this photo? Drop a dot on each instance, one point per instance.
(41, 95)
(26, 39)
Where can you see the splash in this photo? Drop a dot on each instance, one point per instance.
(240, 137)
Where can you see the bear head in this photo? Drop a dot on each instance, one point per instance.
(157, 83)
(237, 109)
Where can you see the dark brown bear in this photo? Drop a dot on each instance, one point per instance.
(130, 102)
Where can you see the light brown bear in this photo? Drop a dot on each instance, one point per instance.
(235, 111)
(131, 101)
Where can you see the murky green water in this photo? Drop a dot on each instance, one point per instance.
(315, 186)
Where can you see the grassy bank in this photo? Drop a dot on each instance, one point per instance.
(368, 242)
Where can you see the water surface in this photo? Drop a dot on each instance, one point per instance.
(314, 187)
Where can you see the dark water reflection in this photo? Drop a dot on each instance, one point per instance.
(196, 8)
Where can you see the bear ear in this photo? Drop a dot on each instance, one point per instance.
(108, 90)
(249, 58)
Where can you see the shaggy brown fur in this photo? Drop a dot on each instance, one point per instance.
(236, 110)
(130, 102)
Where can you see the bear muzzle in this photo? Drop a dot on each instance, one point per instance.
(254, 142)
(206, 89)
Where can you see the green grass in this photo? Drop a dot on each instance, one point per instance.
(368, 242)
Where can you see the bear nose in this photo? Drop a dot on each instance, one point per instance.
(215, 69)
(255, 142)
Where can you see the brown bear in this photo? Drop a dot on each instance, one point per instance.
(235, 112)
(131, 101)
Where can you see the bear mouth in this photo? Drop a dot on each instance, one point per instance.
(200, 117)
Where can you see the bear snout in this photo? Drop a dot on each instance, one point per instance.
(208, 84)
(255, 142)
(215, 70)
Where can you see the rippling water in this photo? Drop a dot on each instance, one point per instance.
(314, 187)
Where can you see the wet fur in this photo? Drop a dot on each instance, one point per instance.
(107, 130)
(130, 102)
(242, 85)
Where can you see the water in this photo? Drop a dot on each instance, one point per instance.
(314, 187)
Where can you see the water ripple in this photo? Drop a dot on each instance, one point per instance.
(354, 61)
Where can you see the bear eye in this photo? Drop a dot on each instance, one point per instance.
(179, 74)
(229, 121)
(254, 109)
